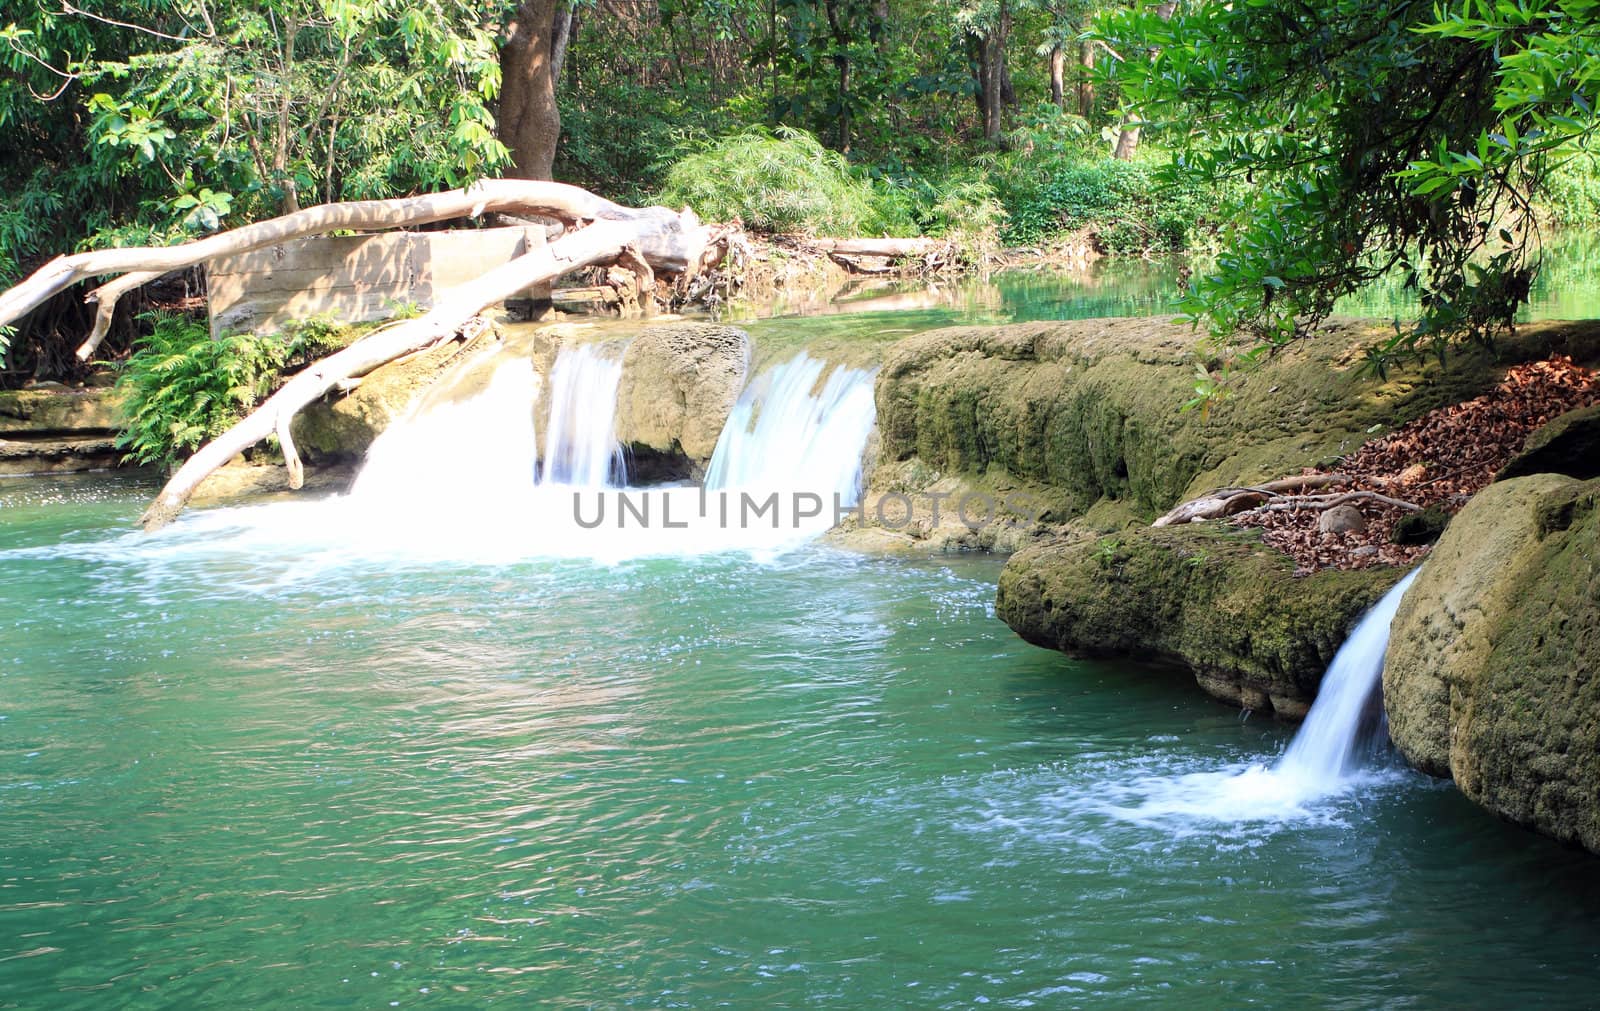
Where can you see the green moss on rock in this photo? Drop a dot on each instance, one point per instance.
(1491, 670)
(1089, 408)
(1210, 598)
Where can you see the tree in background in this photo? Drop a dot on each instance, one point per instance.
(1380, 137)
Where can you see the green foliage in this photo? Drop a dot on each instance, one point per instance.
(182, 388)
(965, 210)
(781, 181)
(1572, 190)
(1377, 137)
(1130, 205)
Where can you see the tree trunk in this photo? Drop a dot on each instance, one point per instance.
(841, 63)
(531, 58)
(1058, 77)
(1086, 79)
(1128, 139)
(1127, 142)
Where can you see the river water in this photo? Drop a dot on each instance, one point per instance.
(240, 772)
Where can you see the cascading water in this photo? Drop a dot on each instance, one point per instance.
(1321, 760)
(480, 447)
(782, 435)
(1325, 748)
(580, 443)
(459, 479)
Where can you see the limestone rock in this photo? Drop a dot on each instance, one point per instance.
(1207, 597)
(1422, 527)
(1490, 676)
(1341, 519)
(1568, 445)
(1085, 410)
(57, 410)
(341, 429)
(679, 383)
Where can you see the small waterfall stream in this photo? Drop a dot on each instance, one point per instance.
(1327, 745)
(580, 443)
(786, 433)
(1322, 761)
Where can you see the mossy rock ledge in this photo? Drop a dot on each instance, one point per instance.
(1207, 597)
(1491, 676)
(1082, 416)
(1081, 411)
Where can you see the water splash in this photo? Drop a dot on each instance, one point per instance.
(580, 443)
(1322, 761)
(472, 449)
(456, 481)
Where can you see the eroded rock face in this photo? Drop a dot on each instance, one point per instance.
(55, 430)
(1491, 672)
(340, 430)
(1208, 597)
(1086, 410)
(1568, 445)
(679, 383)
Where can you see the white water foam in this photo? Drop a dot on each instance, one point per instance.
(1323, 761)
(456, 482)
(580, 443)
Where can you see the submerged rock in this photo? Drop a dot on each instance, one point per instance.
(1490, 676)
(1204, 596)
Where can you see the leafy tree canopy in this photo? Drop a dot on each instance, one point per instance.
(1382, 136)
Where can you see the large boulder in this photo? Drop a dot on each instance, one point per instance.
(1568, 445)
(679, 384)
(1491, 671)
(1212, 599)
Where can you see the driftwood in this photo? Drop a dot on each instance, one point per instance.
(1324, 502)
(1232, 501)
(894, 249)
(662, 236)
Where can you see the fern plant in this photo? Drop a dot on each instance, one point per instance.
(182, 387)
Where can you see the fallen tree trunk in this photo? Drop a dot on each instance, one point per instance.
(659, 233)
(1232, 501)
(602, 242)
(892, 248)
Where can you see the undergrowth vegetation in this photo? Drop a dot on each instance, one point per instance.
(181, 386)
(1053, 181)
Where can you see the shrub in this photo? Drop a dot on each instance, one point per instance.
(781, 181)
(1572, 190)
(181, 387)
(1122, 201)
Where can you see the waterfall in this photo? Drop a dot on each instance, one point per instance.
(1325, 748)
(786, 434)
(580, 443)
(479, 447)
(461, 477)
(1321, 761)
